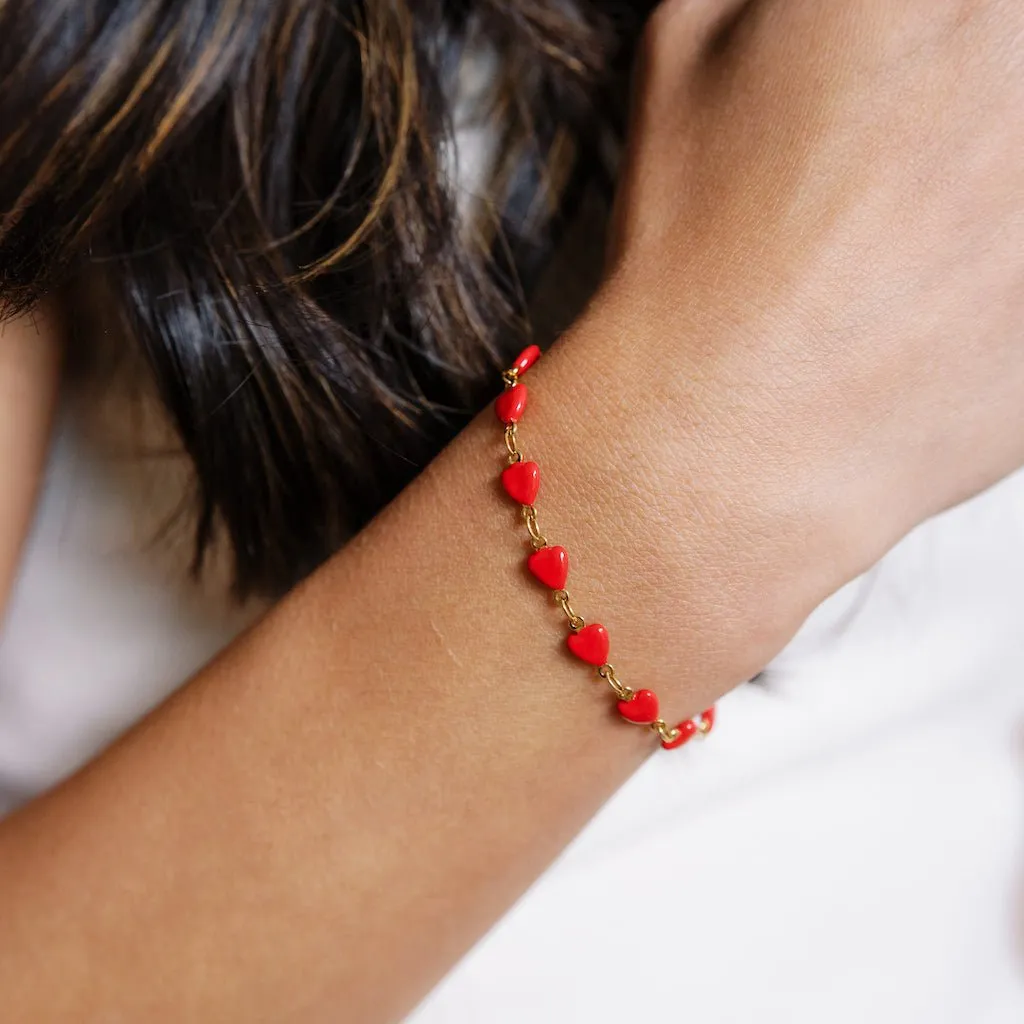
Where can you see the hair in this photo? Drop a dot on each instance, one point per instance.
(262, 191)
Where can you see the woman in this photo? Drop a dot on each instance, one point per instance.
(805, 344)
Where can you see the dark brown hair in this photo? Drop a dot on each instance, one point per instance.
(263, 188)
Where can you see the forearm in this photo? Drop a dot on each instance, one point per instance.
(327, 817)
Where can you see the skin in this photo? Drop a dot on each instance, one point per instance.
(29, 357)
(808, 342)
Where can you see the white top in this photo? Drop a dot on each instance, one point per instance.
(847, 847)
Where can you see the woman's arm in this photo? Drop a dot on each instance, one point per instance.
(29, 358)
(322, 821)
(809, 343)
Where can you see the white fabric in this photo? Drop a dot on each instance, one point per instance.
(99, 630)
(848, 847)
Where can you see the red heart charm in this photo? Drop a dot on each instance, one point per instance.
(687, 730)
(550, 566)
(521, 481)
(511, 403)
(526, 359)
(590, 644)
(642, 708)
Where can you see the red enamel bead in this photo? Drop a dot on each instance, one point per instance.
(521, 481)
(550, 566)
(526, 359)
(511, 403)
(590, 644)
(707, 719)
(687, 730)
(641, 708)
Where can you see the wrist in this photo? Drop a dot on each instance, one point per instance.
(644, 484)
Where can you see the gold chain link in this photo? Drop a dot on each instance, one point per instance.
(562, 600)
(667, 734)
(512, 445)
(537, 539)
(510, 377)
(622, 691)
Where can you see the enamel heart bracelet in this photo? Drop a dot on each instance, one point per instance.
(550, 564)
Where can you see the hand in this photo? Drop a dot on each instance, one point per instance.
(819, 255)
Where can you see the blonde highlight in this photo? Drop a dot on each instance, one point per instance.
(261, 190)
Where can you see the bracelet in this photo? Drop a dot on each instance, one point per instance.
(550, 565)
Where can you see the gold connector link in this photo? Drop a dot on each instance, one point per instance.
(562, 600)
(664, 730)
(621, 690)
(537, 539)
(512, 444)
